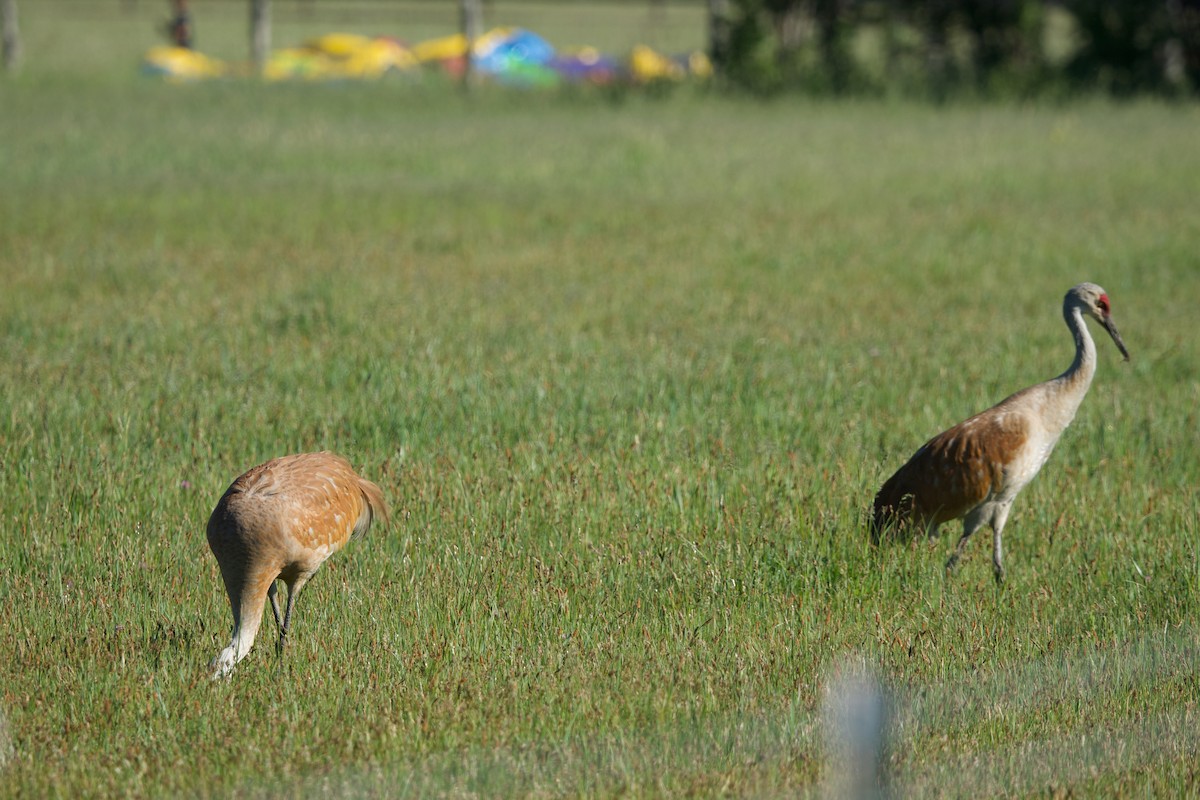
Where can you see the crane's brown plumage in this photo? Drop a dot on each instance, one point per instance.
(952, 473)
(975, 470)
(280, 521)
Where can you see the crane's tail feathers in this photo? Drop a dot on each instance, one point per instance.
(376, 507)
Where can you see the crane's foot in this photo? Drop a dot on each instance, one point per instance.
(281, 645)
(223, 664)
(951, 565)
(999, 573)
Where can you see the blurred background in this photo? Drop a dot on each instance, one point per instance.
(939, 50)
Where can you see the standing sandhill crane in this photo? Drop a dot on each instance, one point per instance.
(976, 469)
(280, 521)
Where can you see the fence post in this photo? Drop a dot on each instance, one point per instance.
(856, 712)
(260, 33)
(471, 13)
(11, 34)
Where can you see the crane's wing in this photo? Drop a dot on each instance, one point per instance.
(951, 474)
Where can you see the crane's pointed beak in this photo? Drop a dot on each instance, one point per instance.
(1111, 327)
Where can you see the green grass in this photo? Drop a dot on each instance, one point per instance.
(629, 374)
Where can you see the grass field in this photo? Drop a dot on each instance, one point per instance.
(629, 374)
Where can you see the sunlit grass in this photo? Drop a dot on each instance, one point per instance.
(629, 375)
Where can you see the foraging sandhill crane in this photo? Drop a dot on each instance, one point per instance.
(976, 469)
(280, 521)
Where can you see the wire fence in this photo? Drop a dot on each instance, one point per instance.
(609, 25)
(867, 739)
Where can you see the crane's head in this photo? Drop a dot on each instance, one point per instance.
(1093, 301)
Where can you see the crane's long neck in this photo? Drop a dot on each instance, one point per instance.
(1068, 390)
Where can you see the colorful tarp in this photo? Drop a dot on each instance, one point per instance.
(509, 56)
(181, 64)
(338, 56)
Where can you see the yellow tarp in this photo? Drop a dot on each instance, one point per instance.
(180, 63)
(339, 55)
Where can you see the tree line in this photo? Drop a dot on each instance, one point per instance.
(944, 48)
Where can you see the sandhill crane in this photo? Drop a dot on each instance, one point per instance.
(975, 469)
(280, 521)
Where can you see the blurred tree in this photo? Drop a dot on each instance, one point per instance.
(718, 33)
(988, 46)
(1183, 47)
(834, 29)
(777, 43)
(1124, 45)
(933, 19)
(748, 62)
(1006, 39)
(943, 47)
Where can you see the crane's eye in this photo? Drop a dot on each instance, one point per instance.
(1103, 303)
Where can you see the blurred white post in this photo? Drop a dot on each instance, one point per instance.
(856, 719)
(11, 34)
(260, 32)
(471, 12)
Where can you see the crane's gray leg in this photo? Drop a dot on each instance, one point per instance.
(246, 598)
(293, 591)
(971, 523)
(997, 556)
(998, 521)
(271, 595)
